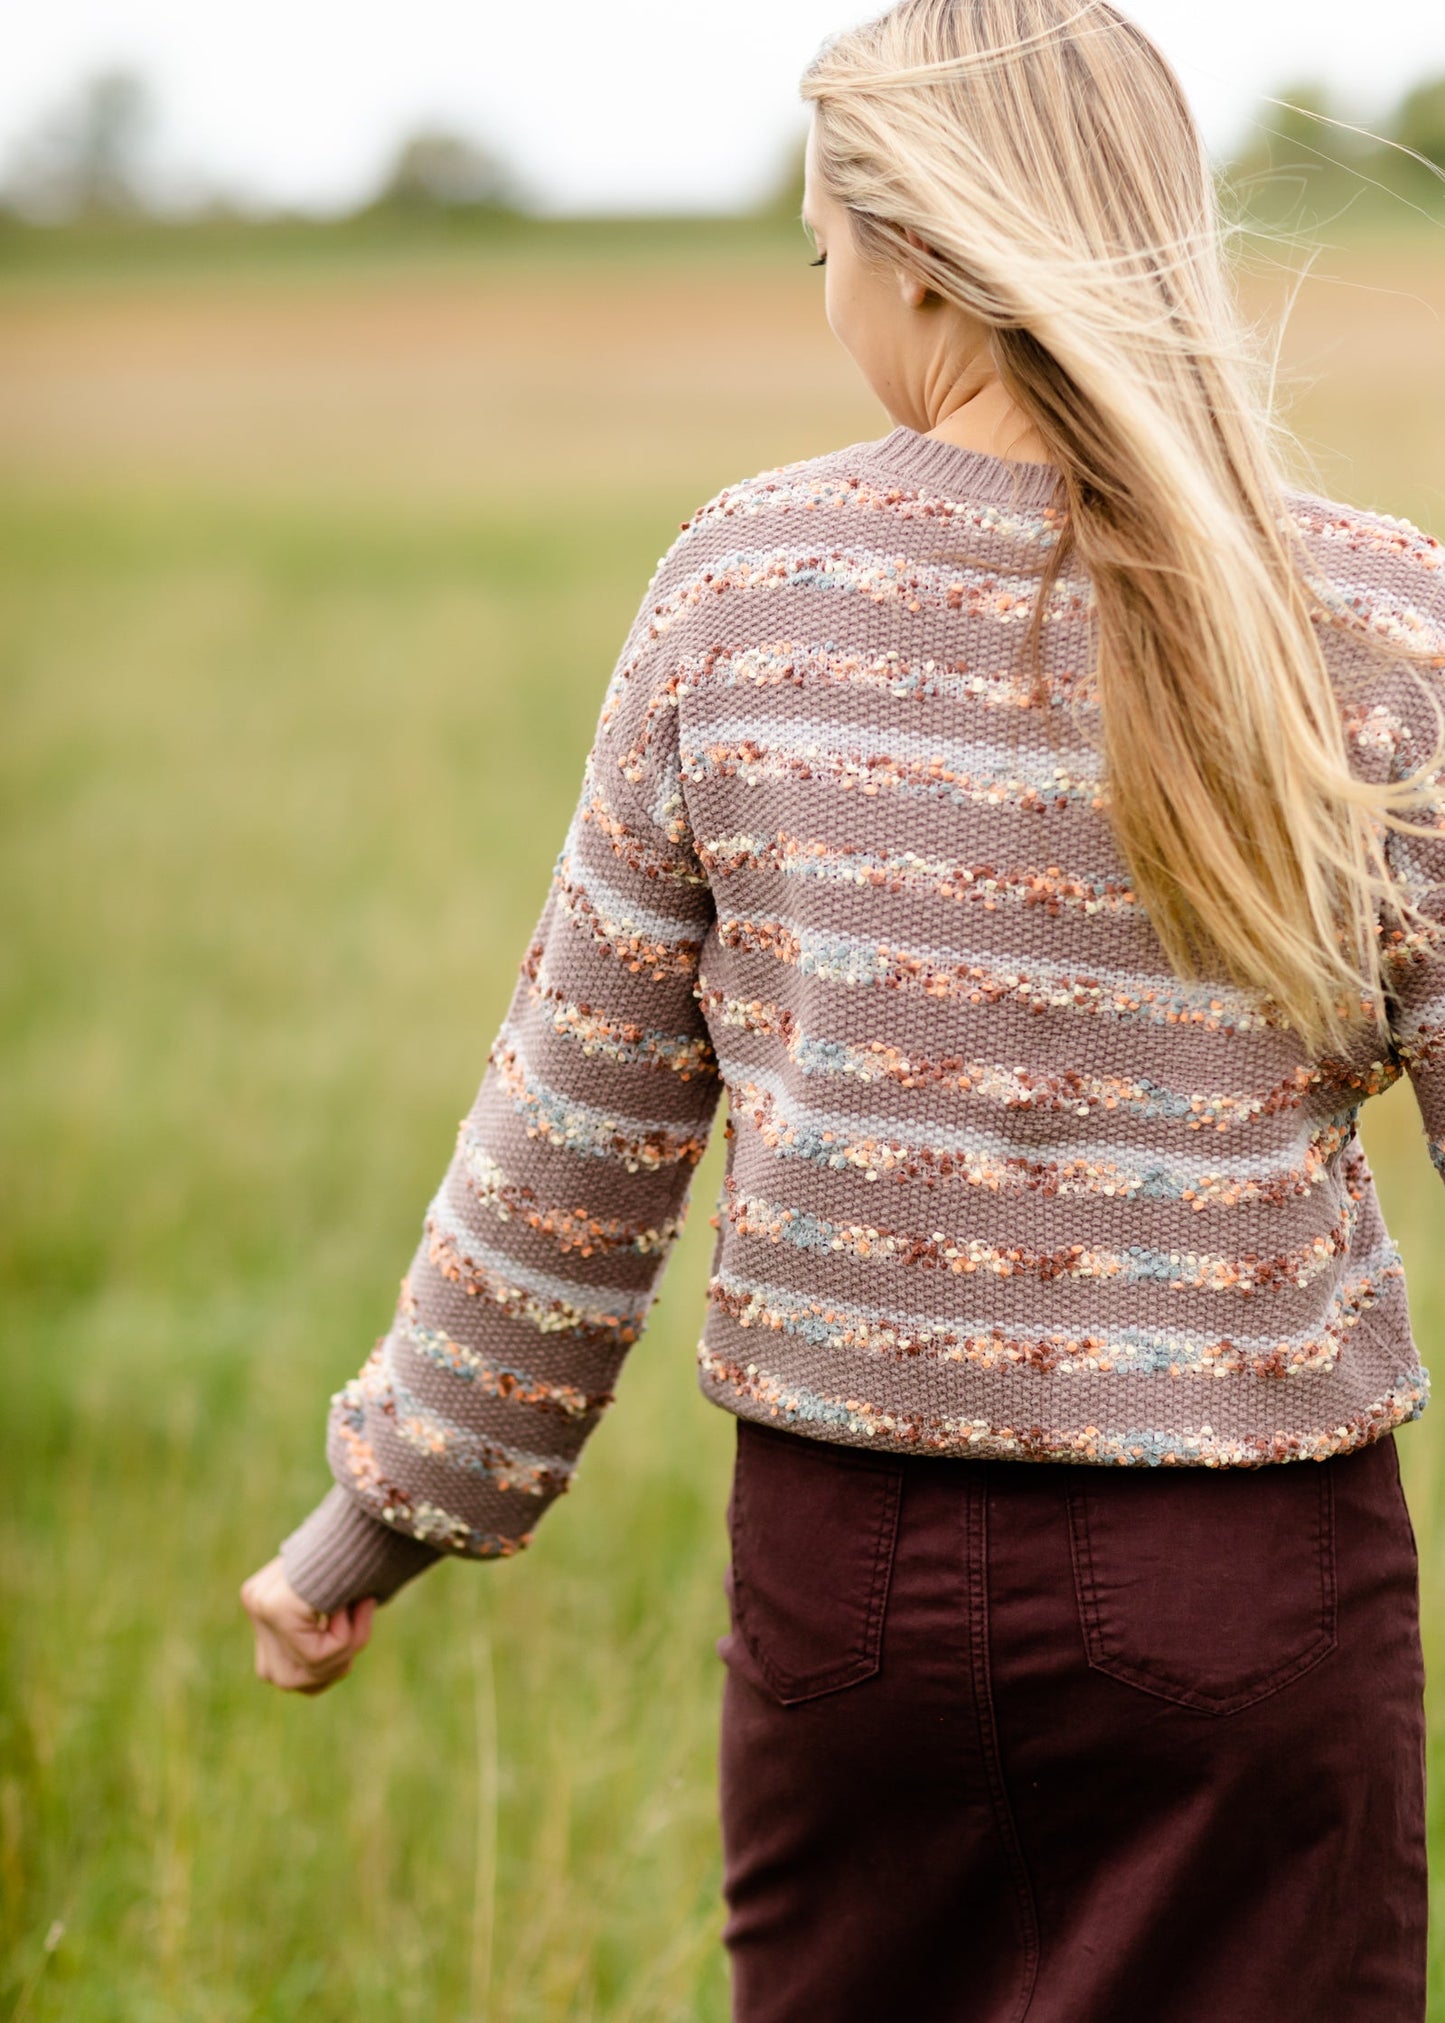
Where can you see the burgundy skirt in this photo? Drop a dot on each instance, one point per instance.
(1073, 1743)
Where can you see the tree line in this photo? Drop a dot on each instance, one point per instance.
(91, 158)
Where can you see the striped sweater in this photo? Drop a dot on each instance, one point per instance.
(997, 1182)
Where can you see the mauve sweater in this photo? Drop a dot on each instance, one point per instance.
(997, 1181)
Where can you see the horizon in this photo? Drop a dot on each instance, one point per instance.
(693, 118)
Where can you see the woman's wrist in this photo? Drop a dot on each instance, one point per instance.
(340, 1552)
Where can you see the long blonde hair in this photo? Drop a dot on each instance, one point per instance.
(1046, 155)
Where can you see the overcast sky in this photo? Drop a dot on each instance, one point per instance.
(685, 105)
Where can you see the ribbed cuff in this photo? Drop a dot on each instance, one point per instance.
(340, 1552)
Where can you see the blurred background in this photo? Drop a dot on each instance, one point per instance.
(356, 367)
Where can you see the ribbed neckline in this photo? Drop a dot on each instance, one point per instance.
(973, 474)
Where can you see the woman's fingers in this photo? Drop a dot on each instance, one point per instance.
(298, 1648)
(363, 1615)
(280, 1663)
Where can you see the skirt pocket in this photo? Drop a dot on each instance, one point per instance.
(812, 1528)
(1210, 1587)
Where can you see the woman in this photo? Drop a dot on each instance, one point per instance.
(1029, 818)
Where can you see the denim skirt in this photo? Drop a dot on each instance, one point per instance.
(1078, 1744)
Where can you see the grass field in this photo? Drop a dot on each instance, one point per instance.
(310, 582)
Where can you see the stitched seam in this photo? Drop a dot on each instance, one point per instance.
(1329, 1571)
(883, 1555)
(1085, 1584)
(1026, 1911)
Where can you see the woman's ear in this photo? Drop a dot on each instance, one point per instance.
(914, 291)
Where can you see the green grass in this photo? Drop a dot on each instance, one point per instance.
(283, 786)
(284, 806)
(309, 252)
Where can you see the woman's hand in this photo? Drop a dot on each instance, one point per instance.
(297, 1647)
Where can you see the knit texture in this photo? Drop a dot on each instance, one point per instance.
(997, 1181)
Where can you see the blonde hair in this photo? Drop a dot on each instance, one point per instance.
(1047, 157)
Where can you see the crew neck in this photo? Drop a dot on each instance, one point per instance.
(975, 474)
